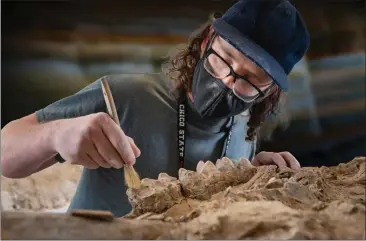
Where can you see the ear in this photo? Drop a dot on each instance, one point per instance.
(205, 40)
(272, 89)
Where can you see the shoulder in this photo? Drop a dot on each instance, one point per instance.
(134, 84)
(136, 90)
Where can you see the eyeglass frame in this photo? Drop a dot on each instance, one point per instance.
(209, 50)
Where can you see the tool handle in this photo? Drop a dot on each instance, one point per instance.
(132, 179)
(112, 110)
(93, 214)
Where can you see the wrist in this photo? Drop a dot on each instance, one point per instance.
(55, 129)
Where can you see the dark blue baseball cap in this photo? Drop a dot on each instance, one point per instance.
(271, 33)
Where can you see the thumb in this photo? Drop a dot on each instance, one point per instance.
(256, 162)
(135, 149)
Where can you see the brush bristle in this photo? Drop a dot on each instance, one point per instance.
(132, 178)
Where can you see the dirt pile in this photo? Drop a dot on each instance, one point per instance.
(49, 189)
(223, 201)
(238, 201)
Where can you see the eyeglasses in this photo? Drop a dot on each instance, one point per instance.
(244, 89)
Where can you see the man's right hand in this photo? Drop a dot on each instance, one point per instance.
(94, 141)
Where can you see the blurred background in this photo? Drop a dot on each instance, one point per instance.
(51, 49)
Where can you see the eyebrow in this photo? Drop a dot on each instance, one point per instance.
(224, 48)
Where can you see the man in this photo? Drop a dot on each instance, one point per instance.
(220, 89)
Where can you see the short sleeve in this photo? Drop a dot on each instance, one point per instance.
(87, 101)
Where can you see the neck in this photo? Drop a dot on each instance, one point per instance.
(190, 96)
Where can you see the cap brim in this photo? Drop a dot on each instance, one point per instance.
(253, 51)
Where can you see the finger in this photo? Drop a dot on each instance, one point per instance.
(278, 160)
(87, 162)
(269, 158)
(135, 149)
(292, 162)
(97, 158)
(107, 150)
(262, 158)
(120, 142)
(256, 162)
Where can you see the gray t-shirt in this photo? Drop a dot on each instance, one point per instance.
(148, 113)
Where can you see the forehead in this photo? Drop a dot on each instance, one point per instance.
(225, 48)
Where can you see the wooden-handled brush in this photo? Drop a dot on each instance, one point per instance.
(132, 179)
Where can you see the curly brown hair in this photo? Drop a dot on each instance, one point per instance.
(180, 68)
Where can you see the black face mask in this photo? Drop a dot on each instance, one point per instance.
(212, 99)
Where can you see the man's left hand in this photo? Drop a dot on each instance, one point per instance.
(281, 159)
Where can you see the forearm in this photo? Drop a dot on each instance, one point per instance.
(26, 146)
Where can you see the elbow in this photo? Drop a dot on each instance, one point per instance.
(8, 171)
(13, 175)
(9, 166)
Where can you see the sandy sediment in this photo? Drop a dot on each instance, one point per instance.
(224, 200)
(50, 189)
(237, 200)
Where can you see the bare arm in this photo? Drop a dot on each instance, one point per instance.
(27, 147)
(92, 141)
